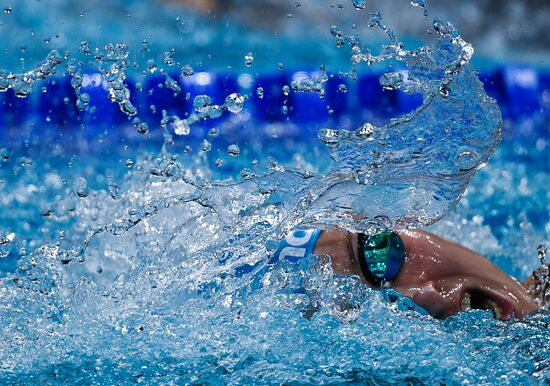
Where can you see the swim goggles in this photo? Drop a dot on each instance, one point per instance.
(380, 259)
(380, 256)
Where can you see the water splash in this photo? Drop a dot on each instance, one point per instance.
(540, 286)
(162, 278)
(23, 83)
(359, 4)
(167, 270)
(414, 169)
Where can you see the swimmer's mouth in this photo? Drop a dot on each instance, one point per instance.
(479, 300)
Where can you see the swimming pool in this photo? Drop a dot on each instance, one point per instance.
(166, 220)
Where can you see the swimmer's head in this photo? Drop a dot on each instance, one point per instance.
(440, 276)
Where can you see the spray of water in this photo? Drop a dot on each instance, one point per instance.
(163, 277)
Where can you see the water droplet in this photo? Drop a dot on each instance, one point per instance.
(444, 90)
(25, 162)
(365, 131)
(213, 132)
(260, 92)
(284, 109)
(359, 4)
(114, 190)
(219, 162)
(85, 47)
(280, 66)
(8, 9)
(181, 127)
(82, 189)
(335, 31)
(151, 65)
(214, 111)
(247, 173)
(116, 51)
(187, 70)
(442, 27)
(168, 59)
(286, 90)
(375, 19)
(202, 103)
(206, 145)
(330, 137)
(129, 162)
(128, 108)
(172, 84)
(541, 253)
(82, 101)
(467, 160)
(4, 154)
(248, 59)
(418, 3)
(234, 102)
(141, 127)
(233, 150)
(342, 88)
(391, 80)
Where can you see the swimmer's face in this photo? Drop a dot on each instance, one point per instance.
(441, 276)
(444, 278)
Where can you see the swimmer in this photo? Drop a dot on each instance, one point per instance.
(441, 277)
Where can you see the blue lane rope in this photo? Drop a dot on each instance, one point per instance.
(522, 92)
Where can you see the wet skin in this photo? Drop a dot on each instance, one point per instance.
(441, 276)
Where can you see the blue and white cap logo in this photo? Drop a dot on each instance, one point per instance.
(297, 245)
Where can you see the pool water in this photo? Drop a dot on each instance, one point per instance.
(132, 257)
(158, 304)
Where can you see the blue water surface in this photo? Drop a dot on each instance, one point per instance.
(154, 305)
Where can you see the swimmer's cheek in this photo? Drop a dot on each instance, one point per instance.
(427, 297)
